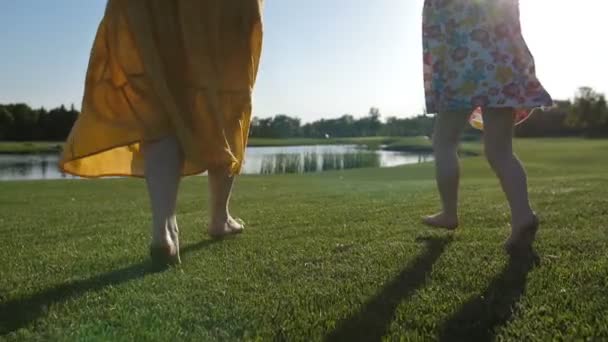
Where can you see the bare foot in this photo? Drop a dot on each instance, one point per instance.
(162, 255)
(164, 250)
(441, 220)
(227, 227)
(174, 235)
(522, 237)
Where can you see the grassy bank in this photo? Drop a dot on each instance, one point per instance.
(336, 255)
(9, 147)
(393, 143)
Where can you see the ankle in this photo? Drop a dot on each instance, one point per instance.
(521, 220)
(449, 214)
(220, 217)
(161, 234)
(172, 224)
(161, 241)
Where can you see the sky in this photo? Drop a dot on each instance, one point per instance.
(321, 58)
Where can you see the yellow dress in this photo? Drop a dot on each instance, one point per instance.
(158, 68)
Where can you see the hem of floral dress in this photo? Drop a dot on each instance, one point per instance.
(476, 119)
(520, 114)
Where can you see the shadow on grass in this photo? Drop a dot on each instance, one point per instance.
(372, 321)
(479, 318)
(17, 313)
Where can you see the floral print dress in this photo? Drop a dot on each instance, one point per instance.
(476, 58)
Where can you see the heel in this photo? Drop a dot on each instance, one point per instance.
(164, 255)
(521, 239)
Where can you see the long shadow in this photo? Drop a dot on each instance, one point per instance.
(17, 313)
(479, 318)
(372, 321)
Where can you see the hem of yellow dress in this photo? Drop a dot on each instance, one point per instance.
(130, 175)
(234, 168)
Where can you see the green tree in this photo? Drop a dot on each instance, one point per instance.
(283, 126)
(26, 121)
(6, 123)
(589, 113)
(371, 124)
(549, 123)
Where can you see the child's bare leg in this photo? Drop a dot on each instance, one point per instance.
(498, 142)
(446, 138)
(163, 163)
(220, 188)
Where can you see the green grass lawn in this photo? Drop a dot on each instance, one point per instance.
(336, 256)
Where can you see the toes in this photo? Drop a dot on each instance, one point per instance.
(236, 223)
(229, 227)
(227, 230)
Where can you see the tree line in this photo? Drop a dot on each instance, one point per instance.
(19, 122)
(284, 126)
(585, 115)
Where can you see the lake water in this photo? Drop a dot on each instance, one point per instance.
(259, 160)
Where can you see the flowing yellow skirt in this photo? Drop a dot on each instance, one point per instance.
(159, 68)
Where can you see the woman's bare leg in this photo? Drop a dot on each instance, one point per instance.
(446, 139)
(163, 164)
(498, 143)
(220, 188)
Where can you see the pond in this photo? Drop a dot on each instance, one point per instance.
(259, 160)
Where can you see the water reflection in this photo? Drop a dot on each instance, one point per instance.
(30, 167)
(315, 162)
(259, 160)
(304, 159)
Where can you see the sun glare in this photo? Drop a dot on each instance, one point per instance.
(565, 38)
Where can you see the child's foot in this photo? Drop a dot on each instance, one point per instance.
(163, 255)
(522, 237)
(222, 228)
(174, 235)
(441, 220)
(164, 249)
